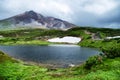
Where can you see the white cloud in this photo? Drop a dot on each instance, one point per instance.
(60, 7)
(54, 8)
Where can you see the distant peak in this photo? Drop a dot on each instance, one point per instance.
(32, 19)
(31, 12)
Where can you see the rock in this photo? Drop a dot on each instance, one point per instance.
(1, 36)
(71, 65)
(96, 36)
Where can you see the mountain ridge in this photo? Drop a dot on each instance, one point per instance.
(31, 19)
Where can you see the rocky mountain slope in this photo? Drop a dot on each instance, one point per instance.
(31, 19)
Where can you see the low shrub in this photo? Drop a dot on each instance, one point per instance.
(94, 60)
(112, 52)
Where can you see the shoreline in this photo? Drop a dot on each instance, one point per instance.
(48, 65)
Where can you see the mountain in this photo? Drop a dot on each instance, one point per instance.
(31, 19)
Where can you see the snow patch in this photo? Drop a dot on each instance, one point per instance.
(113, 37)
(67, 39)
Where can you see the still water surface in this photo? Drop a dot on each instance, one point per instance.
(54, 54)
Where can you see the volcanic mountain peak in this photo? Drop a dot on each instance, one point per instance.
(31, 19)
(31, 12)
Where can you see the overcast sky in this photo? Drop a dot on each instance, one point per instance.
(97, 13)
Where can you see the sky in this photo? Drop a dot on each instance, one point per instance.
(96, 13)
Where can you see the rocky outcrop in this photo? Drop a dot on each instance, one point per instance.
(96, 36)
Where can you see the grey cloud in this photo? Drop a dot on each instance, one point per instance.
(75, 11)
(112, 18)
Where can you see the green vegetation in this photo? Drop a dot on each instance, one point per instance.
(109, 69)
(101, 67)
(32, 42)
(27, 36)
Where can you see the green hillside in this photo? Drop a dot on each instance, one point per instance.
(102, 67)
